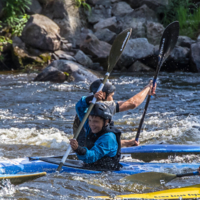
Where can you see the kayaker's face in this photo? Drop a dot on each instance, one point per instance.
(96, 123)
(109, 97)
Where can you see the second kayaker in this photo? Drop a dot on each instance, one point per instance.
(106, 96)
(103, 147)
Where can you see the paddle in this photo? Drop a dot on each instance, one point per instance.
(155, 178)
(167, 43)
(115, 53)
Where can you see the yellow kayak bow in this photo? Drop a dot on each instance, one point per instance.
(189, 192)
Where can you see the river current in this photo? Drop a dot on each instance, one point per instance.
(36, 119)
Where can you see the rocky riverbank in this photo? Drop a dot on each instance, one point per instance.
(59, 30)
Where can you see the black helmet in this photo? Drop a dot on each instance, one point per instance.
(108, 87)
(101, 110)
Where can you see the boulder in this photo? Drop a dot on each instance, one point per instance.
(42, 33)
(21, 56)
(154, 32)
(53, 75)
(138, 27)
(178, 60)
(70, 18)
(135, 49)
(142, 12)
(153, 4)
(110, 23)
(73, 72)
(64, 55)
(105, 35)
(198, 38)
(195, 57)
(184, 41)
(83, 59)
(99, 12)
(99, 50)
(156, 4)
(139, 67)
(34, 7)
(99, 2)
(121, 8)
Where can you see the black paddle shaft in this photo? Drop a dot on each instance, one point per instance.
(167, 43)
(188, 174)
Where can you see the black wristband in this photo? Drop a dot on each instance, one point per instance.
(88, 99)
(117, 107)
(80, 150)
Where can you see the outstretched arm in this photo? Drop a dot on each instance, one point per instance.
(136, 100)
(129, 143)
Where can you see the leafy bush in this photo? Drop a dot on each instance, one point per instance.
(14, 20)
(14, 15)
(186, 12)
(80, 3)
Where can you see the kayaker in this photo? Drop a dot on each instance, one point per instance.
(106, 95)
(103, 148)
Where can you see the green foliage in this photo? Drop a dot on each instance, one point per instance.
(14, 20)
(3, 41)
(80, 3)
(186, 13)
(15, 16)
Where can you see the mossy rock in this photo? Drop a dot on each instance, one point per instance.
(45, 57)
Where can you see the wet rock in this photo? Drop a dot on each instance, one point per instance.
(99, 50)
(98, 13)
(184, 41)
(52, 74)
(21, 56)
(154, 32)
(42, 33)
(83, 59)
(64, 55)
(121, 8)
(178, 60)
(73, 72)
(105, 35)
(135, 49)
(110, 23)
(139, 67)
(34, 7)
(195, 57)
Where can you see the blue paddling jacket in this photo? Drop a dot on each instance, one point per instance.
(103, 149)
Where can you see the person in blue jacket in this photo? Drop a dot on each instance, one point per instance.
(103, 147)
(106, 96)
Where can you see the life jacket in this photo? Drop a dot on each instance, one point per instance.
(106, 163)
(81, 137)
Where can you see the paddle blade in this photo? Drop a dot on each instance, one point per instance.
(150, 178)
(169, 40)
(118, 47)
(21, 178)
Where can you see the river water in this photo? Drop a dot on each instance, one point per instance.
(36, 120)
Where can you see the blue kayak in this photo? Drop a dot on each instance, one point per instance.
(50, 164)
(159, 151)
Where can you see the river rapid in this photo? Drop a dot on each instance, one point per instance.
(36, 119)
